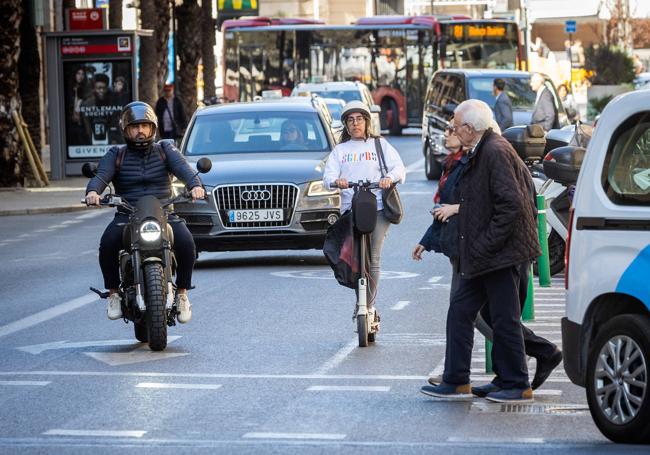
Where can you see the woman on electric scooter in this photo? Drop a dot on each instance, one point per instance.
(355, 159)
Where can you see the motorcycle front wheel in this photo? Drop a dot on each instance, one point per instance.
(155, 299)
(362, 329)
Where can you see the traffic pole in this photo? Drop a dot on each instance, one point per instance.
(528, 313)
(543, 262)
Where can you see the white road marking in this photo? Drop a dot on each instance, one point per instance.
(326, 274)
(68, 222)
(269, 435)
(425, 289)
(91, 214)
(167, 385)
(24, 236)
(548, 299)
(36, 383)
(48, 314)
(550, 305)
(337, 358)
(348, 388)
(547, 393)
(497, 441)
(139, 355)
(400, 305)
(434, 279)
(103, 433)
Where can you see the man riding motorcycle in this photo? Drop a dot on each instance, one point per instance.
(142, 168)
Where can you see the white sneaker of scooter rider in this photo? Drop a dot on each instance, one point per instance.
(184, 308)
(114, 309)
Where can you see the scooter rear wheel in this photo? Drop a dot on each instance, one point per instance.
(362, 330)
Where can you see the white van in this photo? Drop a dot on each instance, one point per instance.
(606, 331)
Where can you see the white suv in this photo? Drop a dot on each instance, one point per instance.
(606, 331)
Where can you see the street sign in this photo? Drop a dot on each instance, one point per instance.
(570, 26)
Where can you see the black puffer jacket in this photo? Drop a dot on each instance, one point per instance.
(497, 217)
(143, 174)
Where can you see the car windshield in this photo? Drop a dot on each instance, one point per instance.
(254, 132)
(335, 110)
(345, 95)
(520, 93)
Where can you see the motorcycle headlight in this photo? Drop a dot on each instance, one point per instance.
(319, 188)
(150, 231)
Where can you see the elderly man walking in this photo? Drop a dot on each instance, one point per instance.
(497, 234)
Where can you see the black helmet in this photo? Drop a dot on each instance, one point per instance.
(134, 113)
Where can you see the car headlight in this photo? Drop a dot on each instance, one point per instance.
(150, 231)
(319, 188)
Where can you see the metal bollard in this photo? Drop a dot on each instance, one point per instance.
(528, 313)
(488, 357)
(543, 262)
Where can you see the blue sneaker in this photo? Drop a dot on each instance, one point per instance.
(511, 396)
(483, 390)
(451, 392)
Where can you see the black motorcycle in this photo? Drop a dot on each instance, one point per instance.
(147, 262)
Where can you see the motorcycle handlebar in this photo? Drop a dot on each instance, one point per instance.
(361, 184)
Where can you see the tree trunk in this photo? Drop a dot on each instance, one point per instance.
(207, 51)
(189, 52)
(10, 150)
(115, 14)
(29, 69)
(154, 15)
(161, 38)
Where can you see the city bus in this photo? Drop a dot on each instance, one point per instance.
(394, 56)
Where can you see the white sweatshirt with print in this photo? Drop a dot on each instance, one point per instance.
(356, 160)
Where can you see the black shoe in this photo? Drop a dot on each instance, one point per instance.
(545, 367)
(482, 391)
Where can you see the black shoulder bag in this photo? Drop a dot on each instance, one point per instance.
(393, 209)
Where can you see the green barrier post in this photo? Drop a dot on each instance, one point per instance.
(528, 313)
(488, 357)
(543, 262)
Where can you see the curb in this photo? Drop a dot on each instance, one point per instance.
(43, 210)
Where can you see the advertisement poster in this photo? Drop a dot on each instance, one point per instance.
(95, 93)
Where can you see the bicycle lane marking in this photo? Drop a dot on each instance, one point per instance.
(46, 315)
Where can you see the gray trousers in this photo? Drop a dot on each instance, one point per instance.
(376, 244)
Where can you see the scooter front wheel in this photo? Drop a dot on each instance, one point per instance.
(362, 330)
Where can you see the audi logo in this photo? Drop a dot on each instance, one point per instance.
(255, 195)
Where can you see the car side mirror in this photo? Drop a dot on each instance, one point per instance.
(375, 109)
(337, 124)
(89, 170)
(204, 165)
(449, 108)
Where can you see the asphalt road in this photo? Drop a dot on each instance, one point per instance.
(269, 363)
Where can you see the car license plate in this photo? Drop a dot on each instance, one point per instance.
(253, 216)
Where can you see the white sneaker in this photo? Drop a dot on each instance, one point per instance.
(184, 308)
(114, 310)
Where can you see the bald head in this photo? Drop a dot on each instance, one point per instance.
(536, 81)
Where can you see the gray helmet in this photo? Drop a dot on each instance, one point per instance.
(355, 106)
(134, 113)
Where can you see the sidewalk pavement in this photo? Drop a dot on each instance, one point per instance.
(59, 197)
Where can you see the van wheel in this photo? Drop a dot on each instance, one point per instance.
(618, 385)
(432, 168)
(556, 247)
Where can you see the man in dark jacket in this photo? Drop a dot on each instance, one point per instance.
(171, 115)
(144, 169)
(497, 234)
(502, 105)
(545, 112)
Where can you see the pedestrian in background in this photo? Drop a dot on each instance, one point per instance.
(171, 115)
(569, 103)
(502, 105)
(545, 113)
(496, 236)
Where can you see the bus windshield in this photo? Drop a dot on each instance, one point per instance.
(479, 45)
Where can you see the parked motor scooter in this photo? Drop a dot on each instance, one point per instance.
(535, 148)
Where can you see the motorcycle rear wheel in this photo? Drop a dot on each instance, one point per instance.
(156, 315)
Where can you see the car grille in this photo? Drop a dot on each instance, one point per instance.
(275, 196)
